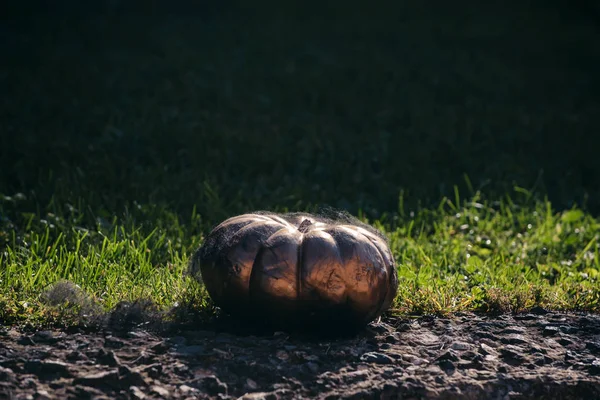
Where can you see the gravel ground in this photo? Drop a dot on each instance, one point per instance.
(540, 354)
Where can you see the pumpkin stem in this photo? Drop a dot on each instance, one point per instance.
(305, 225)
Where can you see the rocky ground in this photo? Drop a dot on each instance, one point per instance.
(541, 355)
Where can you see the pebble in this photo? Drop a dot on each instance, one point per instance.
(41, 394)
(251, 384)
(113, 342)
(513, 339)
(258, 396)
(136, 393)
(461, 346)
(161, 391)
(107, 358)
(392, 338)
(75, 355)
(565, 341)
(48, 369)
(550, 331)
(377, 358)
(45, 337)
(448, 355)
(100, 379)
(282, 355)
(538, 310)
(160, 348)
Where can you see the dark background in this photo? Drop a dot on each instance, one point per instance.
(233, 106)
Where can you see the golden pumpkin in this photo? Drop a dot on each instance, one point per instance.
(297, 268)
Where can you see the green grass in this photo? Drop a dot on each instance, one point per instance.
(124, 140)
(471, 254)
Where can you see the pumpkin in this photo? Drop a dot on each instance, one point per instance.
(298, 268)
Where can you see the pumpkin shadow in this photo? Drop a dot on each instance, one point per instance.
(316, 330)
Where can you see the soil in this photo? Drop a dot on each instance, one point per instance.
(539, 354)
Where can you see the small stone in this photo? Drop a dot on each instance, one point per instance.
(550, 331)
(448, 355)
(513, 330)
(538, 310)
(45, 337)
(380, 327)
(160, 348)
(107, 358)
(464, 364)
(48, 369)
(136, 393)
(75, 355)
(282, 355)
(42, 394)
(404, 327)
(137, 335)
(251, 384)
(461, 346)
(113, 342)
(513, 339)
(391, 339)
(100, 379)
(258, 396)
(414, 359)
(377, 358)
(567, 329)
(161, 391)
(185, 389)
(565, 341)
(446, 364)
(487, 350)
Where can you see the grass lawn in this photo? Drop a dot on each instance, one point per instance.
(467, 134)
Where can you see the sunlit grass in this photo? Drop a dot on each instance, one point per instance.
(473, 254)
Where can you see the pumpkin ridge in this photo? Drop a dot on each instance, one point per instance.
(390, 270)
(387, 273)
